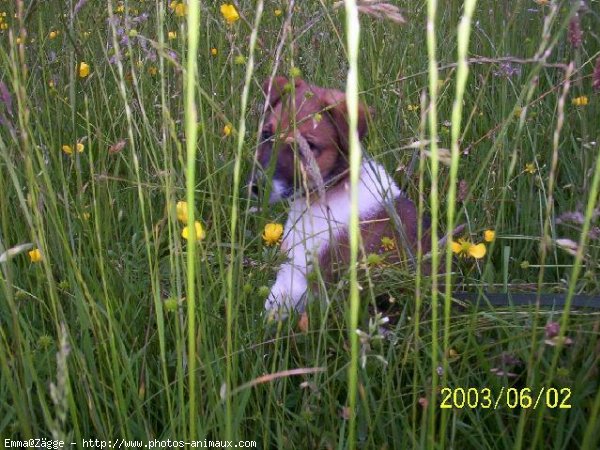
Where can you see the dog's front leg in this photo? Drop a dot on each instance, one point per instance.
(288, 292)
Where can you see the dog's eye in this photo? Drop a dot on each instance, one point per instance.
(266, 135)
(315, 148)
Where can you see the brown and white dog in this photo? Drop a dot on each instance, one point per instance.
(305, 146)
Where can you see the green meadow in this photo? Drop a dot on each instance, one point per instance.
(120, 326)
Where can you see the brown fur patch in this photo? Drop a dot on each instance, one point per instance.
(336, 257)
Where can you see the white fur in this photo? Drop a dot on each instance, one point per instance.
(277, 191)
(310, 226)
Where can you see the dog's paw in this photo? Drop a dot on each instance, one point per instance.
(277, 305)
(280, 304)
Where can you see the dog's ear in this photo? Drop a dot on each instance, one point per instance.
(279, 87)
(336, 106)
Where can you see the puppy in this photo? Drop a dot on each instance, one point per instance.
(305, 146)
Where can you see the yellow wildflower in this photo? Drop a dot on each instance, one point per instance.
(172, 35)
(530, 168)
(374, 259)
(295, 72)
(53, 34)
(229, 13)
(387, 243)
(180, 9)
(518, 111)
(69, 150)
(277, 12)
(35, 256)
(182, 211)
(272, 233)
(171, 304)
(464, 248)
(214, 51)
(200, 234)
(580, 101)
(84, 69)
(152, 70)
(227, 129)
(173, 4)
(489, 235)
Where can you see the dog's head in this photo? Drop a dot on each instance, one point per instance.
(305, 137)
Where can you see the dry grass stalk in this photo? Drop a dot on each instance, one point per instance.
(378, 10)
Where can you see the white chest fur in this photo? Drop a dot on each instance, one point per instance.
(312, 225)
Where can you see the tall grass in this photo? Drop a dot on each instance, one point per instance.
(125, 329)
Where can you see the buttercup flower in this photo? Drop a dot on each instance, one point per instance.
(530, 168)
(229, 13)
(387, 243)
(277, 12)
(374, 259)
(200, 234)
(84, 69)
(489, 235)
(272, 233)
(182, 211)
(172, 35)
(53, 34)
(295, 72)
(464, 248)
(227, 129)
(69, 150)
(580, 101)
(171, 304)
(35, 256)
(180, 9)
(214, 51)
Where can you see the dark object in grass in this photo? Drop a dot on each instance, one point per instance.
(557, 301)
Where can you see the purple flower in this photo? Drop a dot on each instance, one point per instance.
(574, 217)
(552, 329)
(6, 98)
(594, 233)
(507, 70)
